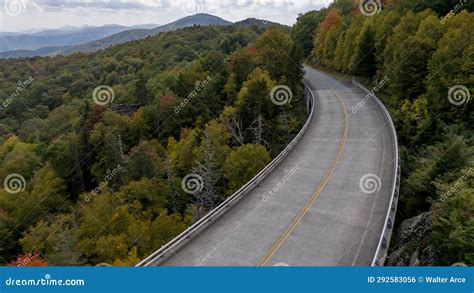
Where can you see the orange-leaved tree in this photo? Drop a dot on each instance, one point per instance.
(29, 259)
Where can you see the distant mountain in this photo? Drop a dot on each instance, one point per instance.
(53, 32)
(128, 35)
(145, 26)
(47, 51)
(257, 22)
(115, 39)
(62, 37)
(132, 35)
(197, 19)
(4, 34)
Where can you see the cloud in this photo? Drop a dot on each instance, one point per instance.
(56, 13)
(147, 4)
(54, 5)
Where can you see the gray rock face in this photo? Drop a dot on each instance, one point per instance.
(413, 248)
(125, 109)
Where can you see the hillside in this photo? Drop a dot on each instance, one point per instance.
(131, 35)
(405, 53)
(65, 37)
(45, 51)
(127, 35)
(262, 23)
(106, 145)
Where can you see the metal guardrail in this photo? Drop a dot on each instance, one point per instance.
(382, 248)
(174, 245)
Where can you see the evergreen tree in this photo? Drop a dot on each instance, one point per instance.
(363, 61)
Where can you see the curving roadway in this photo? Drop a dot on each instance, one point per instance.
(324, 205)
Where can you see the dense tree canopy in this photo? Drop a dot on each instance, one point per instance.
(103, 144)
(105, 141)
(425, 51)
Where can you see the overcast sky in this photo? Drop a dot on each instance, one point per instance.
(18, 15)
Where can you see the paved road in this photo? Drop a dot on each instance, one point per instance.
(317, 213)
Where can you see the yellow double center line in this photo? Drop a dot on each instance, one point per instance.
(318, 191)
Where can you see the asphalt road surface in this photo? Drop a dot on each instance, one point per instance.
(324, 205)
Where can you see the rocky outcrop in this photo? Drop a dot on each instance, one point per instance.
(413, 247)
(125, 109)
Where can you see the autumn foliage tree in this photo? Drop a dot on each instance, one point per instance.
(103, 184)
(425, 55)
(29, 260)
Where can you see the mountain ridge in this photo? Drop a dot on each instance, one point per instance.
(133, 35)
(70, 36)
(125, 36)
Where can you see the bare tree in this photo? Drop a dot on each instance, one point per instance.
(257, 129)
(234, 125)
(174, 198)
(209, 170)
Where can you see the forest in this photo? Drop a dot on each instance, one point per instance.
(423, 51)
(104, 149)
(101, 145)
